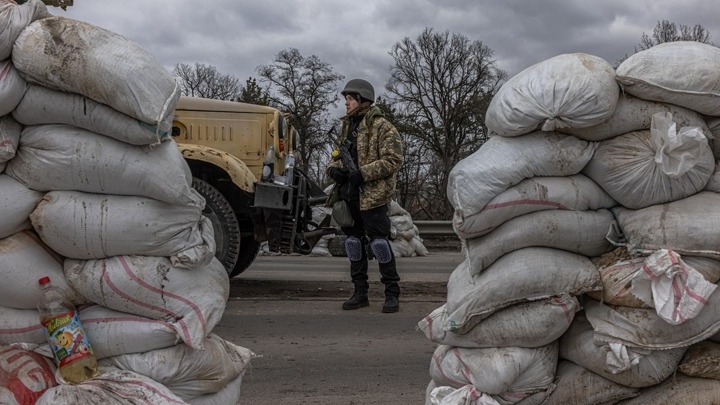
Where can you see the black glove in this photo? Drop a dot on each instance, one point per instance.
(355, 178)
(340, 176)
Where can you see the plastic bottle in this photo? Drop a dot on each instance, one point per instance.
(269, 164)
(74, 356)
(289, 168)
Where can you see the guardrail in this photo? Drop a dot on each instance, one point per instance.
(434, 228)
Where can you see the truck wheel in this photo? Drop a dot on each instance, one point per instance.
(249, 249)
(225, 224)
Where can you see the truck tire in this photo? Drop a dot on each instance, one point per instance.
(249, 249)
(225, 225)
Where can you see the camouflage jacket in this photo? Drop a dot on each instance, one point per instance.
(380, 156)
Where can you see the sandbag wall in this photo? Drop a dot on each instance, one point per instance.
(95, 194)
(589, 223)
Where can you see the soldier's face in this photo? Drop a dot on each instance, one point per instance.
(350, 103)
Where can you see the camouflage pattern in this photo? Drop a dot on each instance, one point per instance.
(380, 156)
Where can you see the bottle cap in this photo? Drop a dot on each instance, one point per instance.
(44, 280)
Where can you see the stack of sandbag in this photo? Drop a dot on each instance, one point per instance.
(96, 195)
(576, 168)
(405, 239)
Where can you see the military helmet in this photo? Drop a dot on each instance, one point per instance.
(361, 87)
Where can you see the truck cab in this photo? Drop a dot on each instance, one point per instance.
(226, 145)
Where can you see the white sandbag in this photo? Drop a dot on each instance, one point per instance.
(642, 328)
(680, 389)
(685, 73)
(191, 300)
(321, 247)
(578, 385)
(402, 248)
(617, 278)
(512, 373)
(77, 57)
(94, 226)
(635, 114)
(21, 326)
(9, 137)
(420, 249)
(531, 324)
(569, 90)
(111, 333)
(115, 387)
(24, 376)
(466, 395)
(581, 232)
(63, 157)
(229, 395)
(645, 168)
(524, 275)
(501, 163)
(576, 193)
(394, 208)
(189, 373)
(647, 368)
(16, 204)
(14, 18)
(24, 259)
(114, 333)
(714, 182)
(401, 226)
(469, 395)
(401, 223)
(688, 226)
(41, 105)
(677, 291)
(12, 87)
(702, 360)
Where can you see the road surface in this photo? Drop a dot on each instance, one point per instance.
(287, 310)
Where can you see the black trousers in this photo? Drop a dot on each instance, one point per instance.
(368, 225)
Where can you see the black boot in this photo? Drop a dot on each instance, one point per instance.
(358, 274)
(390, 278)
(358, 300)
(392, 304)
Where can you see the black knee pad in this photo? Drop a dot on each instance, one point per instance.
(381, 250)
(353, 248)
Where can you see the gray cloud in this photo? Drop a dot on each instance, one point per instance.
(236, 36)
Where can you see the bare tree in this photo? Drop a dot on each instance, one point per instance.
(306, 88)
(252, 93)
(441, 85)
(667, 31)
(205, 81)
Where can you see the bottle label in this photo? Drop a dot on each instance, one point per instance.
(67, 338)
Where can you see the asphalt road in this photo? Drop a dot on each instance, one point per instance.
(287, 309)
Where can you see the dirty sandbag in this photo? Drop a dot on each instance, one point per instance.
(78, 57)
(191, 300)
(114, 387)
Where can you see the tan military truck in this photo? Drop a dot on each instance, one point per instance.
(227, 145)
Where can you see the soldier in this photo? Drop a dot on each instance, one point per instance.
(376, 150)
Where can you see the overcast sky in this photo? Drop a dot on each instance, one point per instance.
(354, 37)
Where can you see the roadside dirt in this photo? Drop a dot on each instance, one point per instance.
(288, 290)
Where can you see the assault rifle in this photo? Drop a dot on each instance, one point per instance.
(342, 151)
